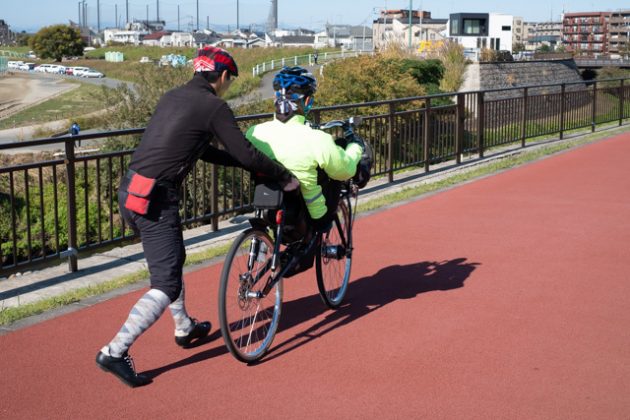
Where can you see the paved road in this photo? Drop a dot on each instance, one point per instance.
(503, 298)
(265, 90)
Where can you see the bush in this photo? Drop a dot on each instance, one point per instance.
(367, 79)
(452, 57)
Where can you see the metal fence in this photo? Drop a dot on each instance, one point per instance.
(66, 206)
(304, 60)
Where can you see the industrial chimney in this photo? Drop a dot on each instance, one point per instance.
(272, 22)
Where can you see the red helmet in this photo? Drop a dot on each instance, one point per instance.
(215, 59)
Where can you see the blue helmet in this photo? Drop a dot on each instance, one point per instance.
(295, 80)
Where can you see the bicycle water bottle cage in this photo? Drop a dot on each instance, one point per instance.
(268, 196)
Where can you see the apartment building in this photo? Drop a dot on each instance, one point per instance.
(619, 38)
(586, 33)
(543, 33)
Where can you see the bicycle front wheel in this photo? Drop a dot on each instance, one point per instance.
(334, 257)
(248, 318)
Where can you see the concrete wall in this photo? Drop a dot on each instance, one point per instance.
(524, 73)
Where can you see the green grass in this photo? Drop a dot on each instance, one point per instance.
(72, 104)
(10, 315)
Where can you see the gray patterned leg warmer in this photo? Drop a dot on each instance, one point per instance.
(183, 325)
(144, 313)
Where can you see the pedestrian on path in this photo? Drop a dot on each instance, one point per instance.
(315, 57)
(179, 133)
(74, 131)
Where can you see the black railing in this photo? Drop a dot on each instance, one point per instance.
(68, 205)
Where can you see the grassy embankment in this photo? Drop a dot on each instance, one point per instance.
(73, 105)
(69, 105)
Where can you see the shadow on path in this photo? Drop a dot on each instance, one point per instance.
(365, 295)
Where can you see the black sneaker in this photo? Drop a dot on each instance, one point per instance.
(122, 368)
(199, 330)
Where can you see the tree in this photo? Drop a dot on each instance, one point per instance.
(57, 41)
(517, 47)
(22, 39)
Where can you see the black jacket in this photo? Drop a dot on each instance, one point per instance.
(184, 122)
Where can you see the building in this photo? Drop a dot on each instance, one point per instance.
(543, 33)
(586, 33)
(120, 36)
(619, 34)
(182, 39)
(392, 27)
(347, 37)
(157, 39)
(519, 31)
(6, 36)
(478, 31)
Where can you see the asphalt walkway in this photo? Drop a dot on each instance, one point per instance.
(506, 297)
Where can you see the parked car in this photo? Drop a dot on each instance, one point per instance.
(14, 64)
(78, 71)
(26, 66)
(43, 68)
(92, 73)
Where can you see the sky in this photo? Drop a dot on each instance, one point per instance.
(30, 15)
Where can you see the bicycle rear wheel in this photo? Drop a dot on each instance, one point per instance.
(248, 319)
(334, 257)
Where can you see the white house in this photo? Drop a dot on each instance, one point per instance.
(182, 39)
(476, 31)
(123, 37)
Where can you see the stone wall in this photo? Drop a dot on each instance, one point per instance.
(525, 73)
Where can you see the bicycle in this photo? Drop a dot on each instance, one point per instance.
(251, 288)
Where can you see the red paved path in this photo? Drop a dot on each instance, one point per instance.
(505, 298)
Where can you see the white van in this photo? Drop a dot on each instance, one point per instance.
(14, 64)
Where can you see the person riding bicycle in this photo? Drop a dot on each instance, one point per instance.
(303, 150)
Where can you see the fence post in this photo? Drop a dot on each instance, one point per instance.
(71, 253)
(480, 121)
(562, 99)
(272, 64)
(621, 104)
(214, 197)
(427, 135)
(390, 141)
(594, 113)
(524, 117)
(459, 127)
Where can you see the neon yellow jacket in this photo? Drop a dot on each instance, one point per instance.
(301, 149)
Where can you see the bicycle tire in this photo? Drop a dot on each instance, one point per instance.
(333, 272)
(248, 324)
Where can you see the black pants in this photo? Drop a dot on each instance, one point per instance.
(160, 231)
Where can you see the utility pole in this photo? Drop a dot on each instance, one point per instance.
(147, 16)
(98, 16)
(116, 14)
(158, 10)
(127, 12)
(197, 15)
(410, 21)
(207, 22)
(178, 30)
(238, 24)
(80, 18)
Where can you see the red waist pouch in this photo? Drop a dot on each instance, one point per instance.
(139, 192)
